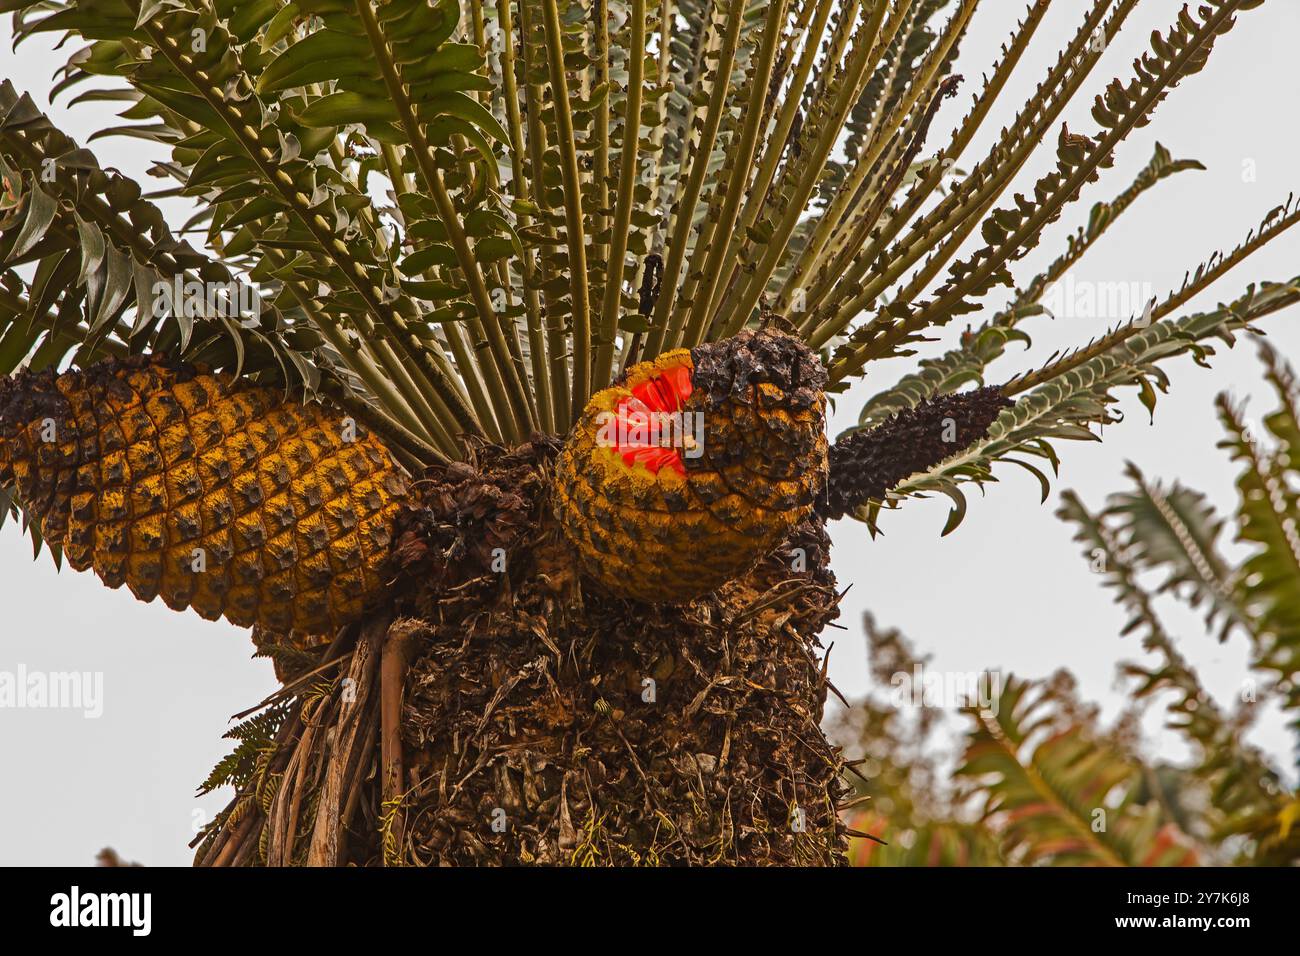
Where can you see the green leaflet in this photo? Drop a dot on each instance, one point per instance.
(1064, 407)
(352, 157)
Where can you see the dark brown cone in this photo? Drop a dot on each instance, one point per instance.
(866, 464)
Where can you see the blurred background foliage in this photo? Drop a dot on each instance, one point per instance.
(1036, 776)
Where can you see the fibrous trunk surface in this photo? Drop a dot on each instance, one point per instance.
(544, 720)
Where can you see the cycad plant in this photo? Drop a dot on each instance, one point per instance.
(494, 402)
(1039, 779)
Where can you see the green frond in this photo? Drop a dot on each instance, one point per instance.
(1242, 786)
(1172, 533)
(1065, 406)
(854, 284)
(96, 269)
(967, 363)
(1175, 530)
(1268, 582)
(255, 737)
(446, 211)
(1059, 793)
(1276, 222)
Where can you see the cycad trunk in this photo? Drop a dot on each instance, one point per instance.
(502, 712)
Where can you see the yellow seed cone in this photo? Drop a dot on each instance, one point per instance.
(671, 536)
(203, 491)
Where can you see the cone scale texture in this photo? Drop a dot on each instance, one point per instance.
(867, 463)
(208, 493)
(669, 517)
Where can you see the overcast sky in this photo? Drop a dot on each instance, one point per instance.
(1008, 590)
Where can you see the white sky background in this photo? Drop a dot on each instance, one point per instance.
(1008, 589)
